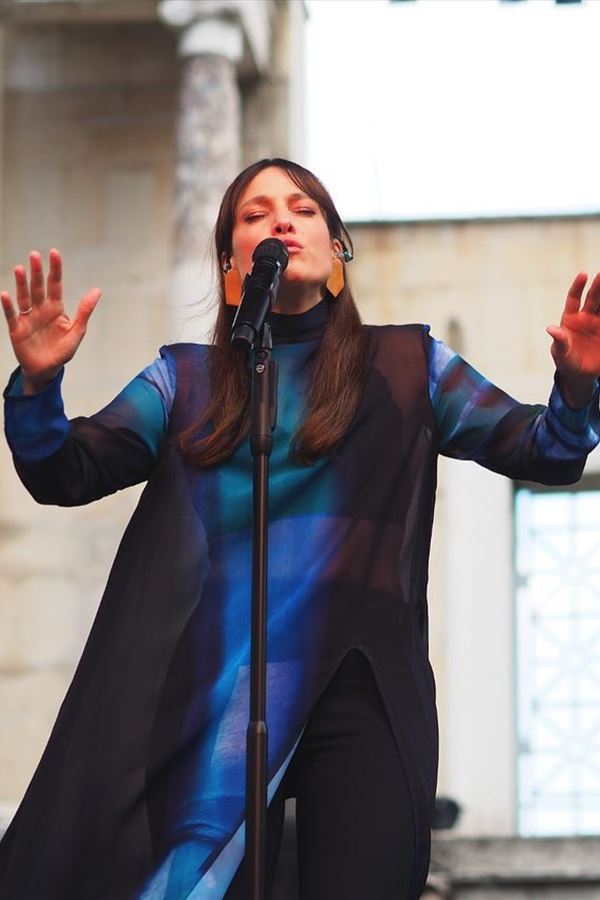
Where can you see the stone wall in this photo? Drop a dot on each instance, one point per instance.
(87, 161)
(88, 165)
(515, 868)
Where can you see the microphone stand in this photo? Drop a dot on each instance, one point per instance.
(263, 416)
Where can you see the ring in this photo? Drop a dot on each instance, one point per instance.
(25, 312)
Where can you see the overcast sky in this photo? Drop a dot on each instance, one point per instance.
(446, 108)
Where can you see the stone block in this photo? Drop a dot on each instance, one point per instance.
(44, 622)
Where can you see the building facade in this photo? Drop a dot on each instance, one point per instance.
(121, 124)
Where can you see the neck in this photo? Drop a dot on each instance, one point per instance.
(296, 328)
(296, 298)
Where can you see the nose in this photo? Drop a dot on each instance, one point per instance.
(283, 226)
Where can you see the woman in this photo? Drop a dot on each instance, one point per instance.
(140, 792)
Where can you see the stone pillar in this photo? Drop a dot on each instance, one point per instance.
(207, 153)
(478, 746)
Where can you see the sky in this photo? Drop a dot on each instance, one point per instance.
(454, 108)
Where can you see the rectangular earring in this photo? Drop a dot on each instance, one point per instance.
(233, 287)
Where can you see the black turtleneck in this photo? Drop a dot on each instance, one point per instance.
(289, 328)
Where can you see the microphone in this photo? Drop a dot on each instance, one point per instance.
(270, 258)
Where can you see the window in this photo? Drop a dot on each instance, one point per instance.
(558, 659)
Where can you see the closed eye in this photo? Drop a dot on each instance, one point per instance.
(304, 210)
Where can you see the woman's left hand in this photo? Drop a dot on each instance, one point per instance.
(576, 344)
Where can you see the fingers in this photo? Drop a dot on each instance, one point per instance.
(561, 345)
(86, 307)
(23, 296)
(54, 286)
(559, 334)
(9, 311)
(592, 300)
(573, 301)
(33, 293)
(38, 294)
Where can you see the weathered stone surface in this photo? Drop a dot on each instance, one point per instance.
(98, 186)
(557, 891)
(515, 868)
(517, 860)
(207, 159)
(53, 12)
(29, 703)
(208, 148)
(88, 146)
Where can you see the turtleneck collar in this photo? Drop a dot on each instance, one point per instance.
(289, 328)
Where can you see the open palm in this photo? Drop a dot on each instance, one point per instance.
(576, 345)
(43, 336)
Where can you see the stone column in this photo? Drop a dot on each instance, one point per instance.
(207, 153)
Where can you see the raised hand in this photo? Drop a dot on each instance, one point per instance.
(43, 336)
(576, 344)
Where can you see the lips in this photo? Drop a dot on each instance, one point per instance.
(293, 245)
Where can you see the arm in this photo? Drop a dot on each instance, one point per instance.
(548, 444)
(74, 462)
(60, 461)
(478, 421)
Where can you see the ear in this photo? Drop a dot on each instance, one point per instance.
(336, 247)
(225, 261)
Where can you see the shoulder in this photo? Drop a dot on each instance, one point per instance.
(388, 330)
(189, 376)
(185, 351)
(181, 357)
(398, 334)
(401, 358)
(400, 354)
(399, 341)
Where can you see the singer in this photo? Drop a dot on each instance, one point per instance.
(140, 791)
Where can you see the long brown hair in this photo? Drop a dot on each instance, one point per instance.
(341, 363)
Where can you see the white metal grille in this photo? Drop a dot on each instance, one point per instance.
(558, 661)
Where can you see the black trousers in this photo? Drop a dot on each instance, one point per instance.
(354, 820)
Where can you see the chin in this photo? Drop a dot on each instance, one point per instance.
(295, 275)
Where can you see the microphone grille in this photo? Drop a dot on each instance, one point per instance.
(274, 249)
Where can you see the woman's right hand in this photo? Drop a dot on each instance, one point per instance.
(43, 337)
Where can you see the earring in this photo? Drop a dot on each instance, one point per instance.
(336, 280)
(233, 285)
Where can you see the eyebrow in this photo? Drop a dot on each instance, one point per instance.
(262, 198)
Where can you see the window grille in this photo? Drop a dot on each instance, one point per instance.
(557, 559)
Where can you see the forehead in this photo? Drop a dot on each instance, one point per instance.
(272, 181)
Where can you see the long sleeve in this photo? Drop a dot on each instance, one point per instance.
(72, 462)
(478, 421)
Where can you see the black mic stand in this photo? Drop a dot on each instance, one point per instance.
(263, 416)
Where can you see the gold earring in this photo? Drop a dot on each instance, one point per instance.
(233, 286)
(336, 280)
